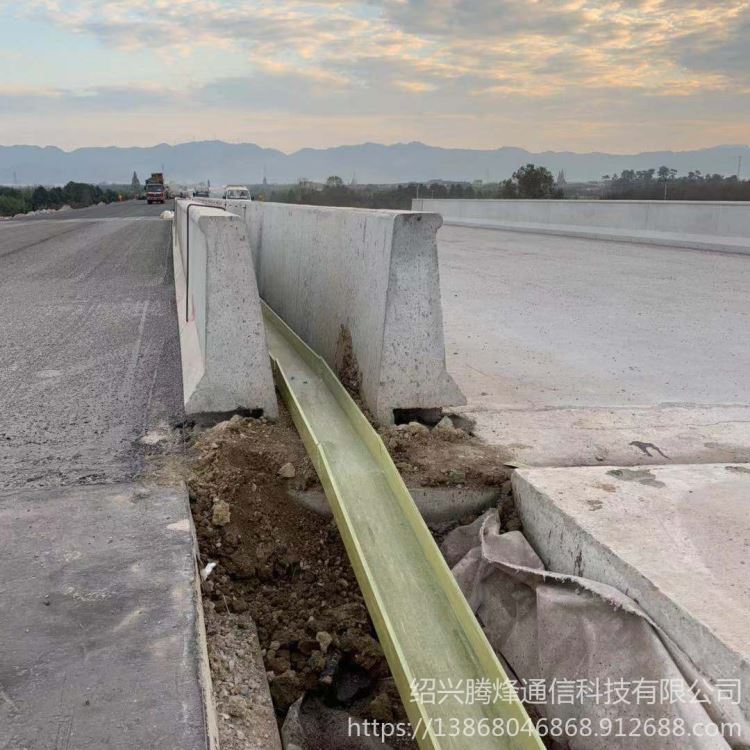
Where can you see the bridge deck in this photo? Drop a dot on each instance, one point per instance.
(576, 351)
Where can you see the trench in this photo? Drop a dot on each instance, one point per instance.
(349, 613)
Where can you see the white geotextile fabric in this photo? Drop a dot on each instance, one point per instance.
(556, 628)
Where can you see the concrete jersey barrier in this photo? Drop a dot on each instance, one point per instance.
(362, 288)
(225, 363)
(704, 225)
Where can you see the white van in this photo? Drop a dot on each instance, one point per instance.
(236, 193)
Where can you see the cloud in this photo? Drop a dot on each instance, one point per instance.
(596, 66)
(542, 44)
(117, 99)
(725, 52)
(485, 18)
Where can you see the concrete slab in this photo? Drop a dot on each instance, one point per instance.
(579, 352)
(100, 621)
(676, 539)
(617, 435)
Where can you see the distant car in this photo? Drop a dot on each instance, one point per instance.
(200, 193)
(236, 193)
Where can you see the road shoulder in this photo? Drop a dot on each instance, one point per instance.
(101, 620)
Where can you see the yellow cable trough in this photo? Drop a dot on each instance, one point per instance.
(431, 639)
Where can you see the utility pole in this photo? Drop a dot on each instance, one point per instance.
(739, 167)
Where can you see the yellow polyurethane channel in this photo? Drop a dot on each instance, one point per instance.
(425, 626)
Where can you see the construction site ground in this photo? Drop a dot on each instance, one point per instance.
(282, 569)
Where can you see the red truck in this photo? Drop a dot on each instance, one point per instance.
(155, 190)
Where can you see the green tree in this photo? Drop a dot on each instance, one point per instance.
(437, 190)
(40, 198)
(665, 173)
(535, 182)
(12, 202)
(508, 189)
(56, 197)
(80, 195)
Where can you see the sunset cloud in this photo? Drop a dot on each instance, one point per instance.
(609, 73)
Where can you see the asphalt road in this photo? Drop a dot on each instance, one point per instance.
(89, 350)
(100, 612)
(570, 350)
(127, 209)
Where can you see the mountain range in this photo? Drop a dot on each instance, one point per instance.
(223, 163)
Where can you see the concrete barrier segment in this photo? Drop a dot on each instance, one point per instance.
(225, 363)
(720, 226)
(362, 288)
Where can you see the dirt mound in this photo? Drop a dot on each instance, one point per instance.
(286, 567)
(444, 455)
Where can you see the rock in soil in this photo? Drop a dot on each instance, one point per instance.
(446, 423)
(221, 514)
(287, 471)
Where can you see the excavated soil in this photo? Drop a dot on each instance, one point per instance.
(284, 568)
(444, 456)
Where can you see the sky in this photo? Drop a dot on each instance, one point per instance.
(579, 75)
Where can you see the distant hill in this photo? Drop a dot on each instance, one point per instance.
(224, 163)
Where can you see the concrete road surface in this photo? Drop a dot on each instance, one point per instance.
(100, 631)
(574, 351)
(89, 354)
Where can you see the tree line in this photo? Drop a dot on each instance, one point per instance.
(74, 194)
(528, 181)
(664, 184)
